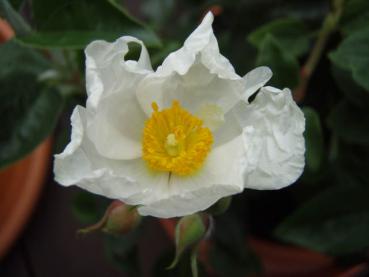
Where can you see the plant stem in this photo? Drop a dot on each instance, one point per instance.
(328, 27)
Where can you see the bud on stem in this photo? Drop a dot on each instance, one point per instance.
(190, 230)
(119, 218)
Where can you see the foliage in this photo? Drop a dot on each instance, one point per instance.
(319, 49)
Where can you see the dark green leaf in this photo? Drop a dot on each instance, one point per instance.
(29, 111)
(13, 17)
(291, 33)
(73, 24)
(314, 140)
(355, 16)
(284, 66)
(351, 164)
(15, 57)
(336, 222)
(353, 55)
(352, 91)
(67, 39)
(350, 123)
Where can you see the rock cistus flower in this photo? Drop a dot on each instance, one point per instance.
(175, 140)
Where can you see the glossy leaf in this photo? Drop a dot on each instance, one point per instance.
(73, 24)
(29, 110)
(291, 33)
(284, 66)
(66, 39)
(335, 222)
(353, 55)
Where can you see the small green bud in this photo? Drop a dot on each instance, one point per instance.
(190, 230)
(119, 218)
(122, 219)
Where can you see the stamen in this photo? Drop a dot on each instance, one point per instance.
(175, 141)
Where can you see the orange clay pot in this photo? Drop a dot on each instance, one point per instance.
(20, 186)
(280, 260)
(20, 183)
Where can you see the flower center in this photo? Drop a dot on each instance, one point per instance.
(175, 141)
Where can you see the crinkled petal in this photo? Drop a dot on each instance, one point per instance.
(80, 164)
(115, 119)
(220, 176)
(196, 75)
(273, 127)
(256, 79)
(106, 69)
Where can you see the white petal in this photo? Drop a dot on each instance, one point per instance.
(80, 164)
(220, 176)
(106, 69)
(273, 127)
(116, 128)
(115, 119)
(256, 79)
(196, 74)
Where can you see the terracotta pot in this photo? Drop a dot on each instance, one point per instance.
(6, 31)
(280, 260)
(20, 183)
(20, 186)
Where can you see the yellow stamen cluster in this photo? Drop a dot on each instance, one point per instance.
(175, 141)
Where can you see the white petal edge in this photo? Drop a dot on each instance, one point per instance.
(79, 164)
(102, 57)
(199, 53)
(255, 79)
(273, 127)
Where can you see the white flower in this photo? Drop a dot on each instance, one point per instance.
(175, 140)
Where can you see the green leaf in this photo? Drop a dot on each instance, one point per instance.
(291, 33)
(314, 140)
(29, 113)
(65, 39)
(355, 16)
(352, 91)
(14, 18)
(353, 55)
(73, 24)
(284, 66)
(336, 222)
(15, 57)
(29, 110)
(351, 164)
(350, 123)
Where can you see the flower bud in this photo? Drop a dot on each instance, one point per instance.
(119, 218)
(190, 230)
